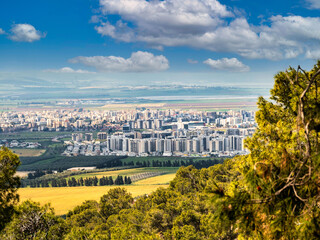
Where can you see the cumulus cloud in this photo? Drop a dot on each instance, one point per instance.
(315, 54)
(168, 15)
(208, 24)
(2, 31)
(161, 18)
(314, 4)
(138, 62)
(227, 64)
(25, 33)
(67, 70)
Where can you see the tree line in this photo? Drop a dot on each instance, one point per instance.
(174, 163)
(73, 182)
(53, 160)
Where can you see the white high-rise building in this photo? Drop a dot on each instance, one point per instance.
(160, 145)
(167, 145)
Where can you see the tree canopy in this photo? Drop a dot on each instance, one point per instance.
(278, 187)
(9, 184)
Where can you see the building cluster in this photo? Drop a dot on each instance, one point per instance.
(196, 141)
(17, 144)
(140, 132)
(126, 120)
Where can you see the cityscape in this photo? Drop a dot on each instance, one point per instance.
(140, 132)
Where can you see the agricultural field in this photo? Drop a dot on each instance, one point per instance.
(205, 105)
(127, 172)
(28, 152)
(32, 135)
(119, 106)
(52, 159)
(64, 199)
(158, 180)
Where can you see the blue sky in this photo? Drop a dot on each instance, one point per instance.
(139, 42)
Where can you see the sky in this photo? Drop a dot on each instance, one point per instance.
(110, 43)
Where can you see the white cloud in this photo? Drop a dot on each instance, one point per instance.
(313, 4)
(67, 70)
(2, 31)
(25, 33)
(161, 18)
(138, 62)
(227, 64)
(191, 61)
(203, 24)
(314, 54)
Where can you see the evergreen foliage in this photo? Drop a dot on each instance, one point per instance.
(72, 182)
(31, 221)
(9, 184)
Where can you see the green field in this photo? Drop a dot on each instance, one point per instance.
(32, 135)
(41, 136)
(127, 172)
(52, 159)
(28, 152)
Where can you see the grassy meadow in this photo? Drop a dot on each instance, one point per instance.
(21, 152)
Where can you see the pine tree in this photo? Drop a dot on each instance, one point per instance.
(275, 189)
(129, 180)
(95, 181)
(81, 181)
(9, 184)
(101, 181)
(110, 181)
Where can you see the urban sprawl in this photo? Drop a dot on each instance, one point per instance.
(140, 132)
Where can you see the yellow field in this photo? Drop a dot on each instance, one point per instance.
(28, 152)
(66, 198)
(162, 179)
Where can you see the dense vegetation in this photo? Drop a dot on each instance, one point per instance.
(272, 193)
(8, 185)
(72, 182)
(60, 162)
(53, 160)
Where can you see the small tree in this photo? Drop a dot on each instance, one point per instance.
(8, 185)
(129, 180)
(32, 221)
(115, 200)
(110, 182)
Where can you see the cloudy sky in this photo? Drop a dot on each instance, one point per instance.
(139, 42)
